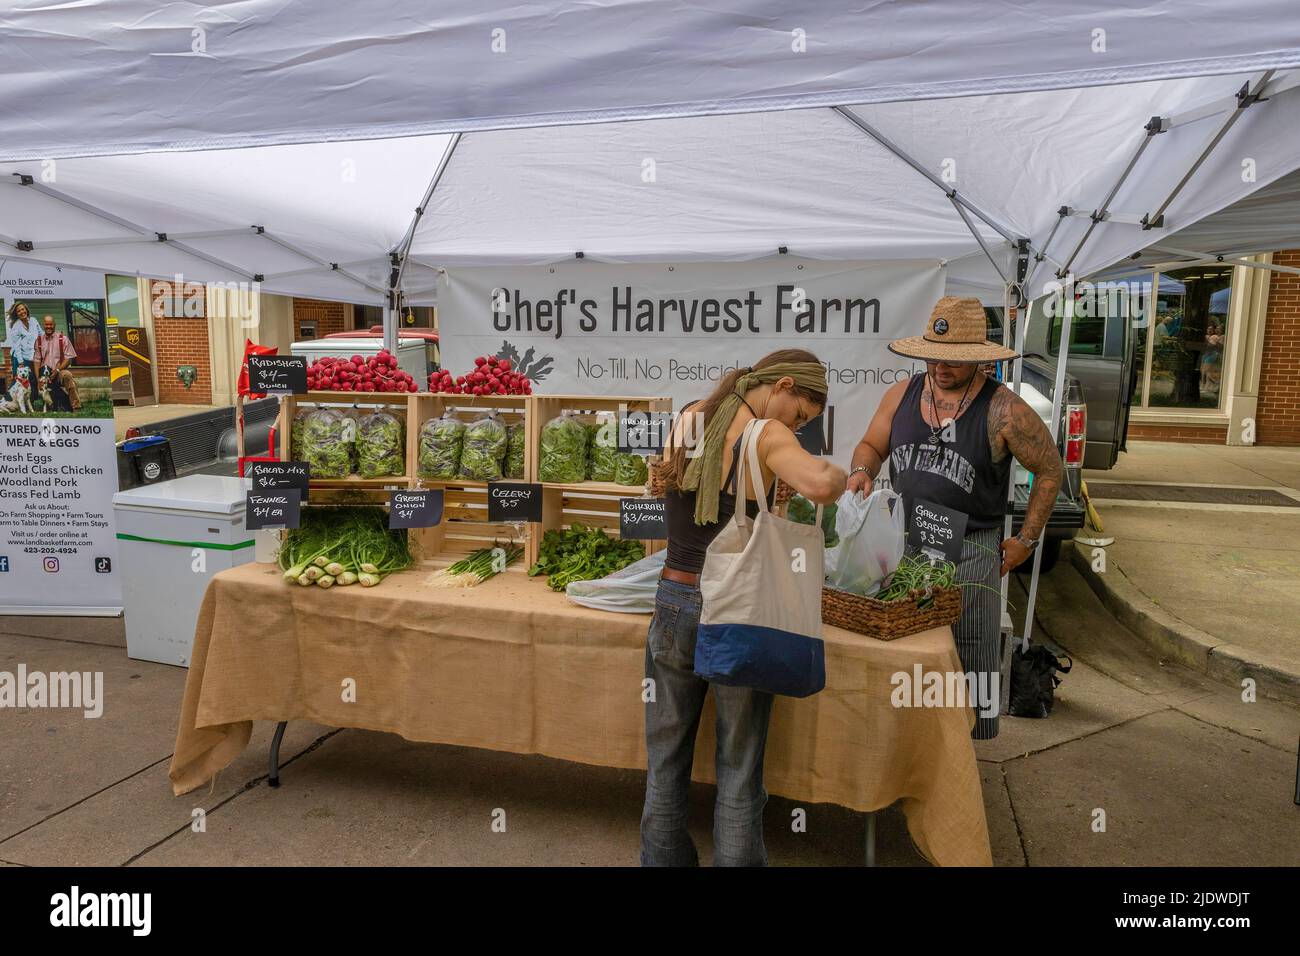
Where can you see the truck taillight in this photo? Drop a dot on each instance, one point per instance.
(1076, 421)
(1076, 434)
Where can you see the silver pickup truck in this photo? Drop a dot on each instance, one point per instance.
(1094, 419)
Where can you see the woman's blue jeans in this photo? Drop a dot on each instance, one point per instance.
(672, 716)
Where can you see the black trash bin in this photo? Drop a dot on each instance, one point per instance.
(144, 461)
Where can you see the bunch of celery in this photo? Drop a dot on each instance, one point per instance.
(347, 545)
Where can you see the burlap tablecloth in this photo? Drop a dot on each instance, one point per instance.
(513, 666)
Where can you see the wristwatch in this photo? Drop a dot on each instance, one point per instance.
(1028, 543)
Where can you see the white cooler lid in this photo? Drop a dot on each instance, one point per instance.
(215, 494)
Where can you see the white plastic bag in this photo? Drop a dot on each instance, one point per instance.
(631, 590)
(871, 541)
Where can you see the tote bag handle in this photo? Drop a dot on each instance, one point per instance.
(749, 452)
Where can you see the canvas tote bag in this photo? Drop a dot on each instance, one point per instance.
(761, 621)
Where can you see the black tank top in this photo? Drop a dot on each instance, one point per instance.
(960, 474)
(688, 541)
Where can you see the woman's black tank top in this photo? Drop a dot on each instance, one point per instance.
(688, 541)
(960, 474)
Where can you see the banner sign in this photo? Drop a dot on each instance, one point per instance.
(58, 467)
(28, 280)
(675, 329)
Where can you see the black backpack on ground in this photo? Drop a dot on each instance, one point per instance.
(1034, 681)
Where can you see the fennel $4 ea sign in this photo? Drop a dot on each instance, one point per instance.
(674, 330)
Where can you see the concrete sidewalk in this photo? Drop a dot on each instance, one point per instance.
(1175, 767)
(1214, 586)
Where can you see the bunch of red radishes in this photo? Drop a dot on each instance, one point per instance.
(379, 373)
(491, 376)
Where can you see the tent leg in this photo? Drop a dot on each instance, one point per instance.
(273, 779)
(871, 839)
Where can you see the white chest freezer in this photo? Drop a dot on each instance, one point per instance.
(172, 538)
(411, 353)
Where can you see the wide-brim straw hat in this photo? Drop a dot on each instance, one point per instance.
(955, 335)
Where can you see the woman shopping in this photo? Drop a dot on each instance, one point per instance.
(786, 389)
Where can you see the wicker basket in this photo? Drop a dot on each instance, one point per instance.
(887, 620)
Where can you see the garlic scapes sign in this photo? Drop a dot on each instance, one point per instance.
(676, 329)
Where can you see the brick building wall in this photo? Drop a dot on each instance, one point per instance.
(1191, 434)
(1277, 415)
(328, 316)
(181, 339)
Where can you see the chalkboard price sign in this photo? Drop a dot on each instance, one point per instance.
(415, 509)
(642, 518)
(935, 530)
(277, 508)
(279, 474)
(643, 433)
(514, 501)
(278, 374)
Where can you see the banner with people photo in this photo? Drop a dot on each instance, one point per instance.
(675, 329)
(58, 460)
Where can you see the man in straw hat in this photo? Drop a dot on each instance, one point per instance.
(949, 436)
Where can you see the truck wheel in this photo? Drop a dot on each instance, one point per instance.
(1051, 554)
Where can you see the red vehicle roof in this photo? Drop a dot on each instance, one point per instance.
(377, 331)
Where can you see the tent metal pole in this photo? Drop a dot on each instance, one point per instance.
(1211, 258)
(1154, 127)
(403, 249)
(1248, 95)
(980, 239)
(951, 193)
(1058, 396)
(312, 257)
(134, 227)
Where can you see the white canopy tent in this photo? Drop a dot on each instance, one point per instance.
(129, 76)
(961, 181)
(349, 151)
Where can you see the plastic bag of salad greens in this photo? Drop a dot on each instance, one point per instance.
(802, 510)
(603, 452)
(516, 437)
(483, 448)
(438, 455)
(381, 445)
(564, 450)
(295, 434)
(630, 469)
(328, 441)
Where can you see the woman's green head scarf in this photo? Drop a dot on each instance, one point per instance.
(703, 473)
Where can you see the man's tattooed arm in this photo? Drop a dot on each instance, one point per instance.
(1015, 429)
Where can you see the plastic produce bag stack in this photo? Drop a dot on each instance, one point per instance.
(516, 438)
(381, 445)
(563, 450)
(438, 454)
(328, 443)
(483, 448)
(603, 451)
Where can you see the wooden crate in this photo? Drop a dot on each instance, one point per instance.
(464, 527)
(590, 503)
(353, 487)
